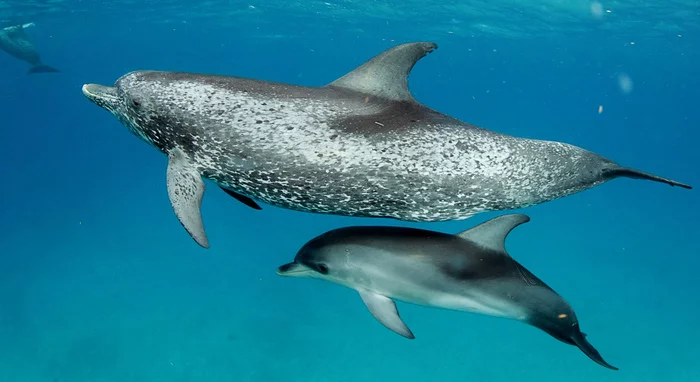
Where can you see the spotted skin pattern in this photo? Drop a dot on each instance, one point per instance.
(334, 151)
(337, 150)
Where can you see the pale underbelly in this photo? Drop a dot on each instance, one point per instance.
(477, 303)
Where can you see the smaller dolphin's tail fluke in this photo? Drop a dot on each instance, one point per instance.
(636, 174)
(582, 343)
(41, 68)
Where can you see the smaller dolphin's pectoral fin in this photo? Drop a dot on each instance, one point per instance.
(386, 75)
(384, 310)
(243, 199)
(186, 188)
(492, 234)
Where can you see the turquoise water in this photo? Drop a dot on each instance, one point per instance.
(99, 282)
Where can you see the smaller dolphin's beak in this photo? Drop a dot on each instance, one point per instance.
(293, 270)
(103, 96)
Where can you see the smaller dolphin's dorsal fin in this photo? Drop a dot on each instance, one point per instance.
(492, 234)
(386, 75)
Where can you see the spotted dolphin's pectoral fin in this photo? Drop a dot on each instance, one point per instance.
(492, 234)
(384, 310)
(186, 188)
(242, 198)
(386, 75)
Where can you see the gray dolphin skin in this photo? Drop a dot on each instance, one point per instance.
(470, 271)
(359, 146)
(15, 42)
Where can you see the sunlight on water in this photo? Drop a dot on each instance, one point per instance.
(528, 18)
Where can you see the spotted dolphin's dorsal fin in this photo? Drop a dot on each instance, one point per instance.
(386, 75)
(492, 234)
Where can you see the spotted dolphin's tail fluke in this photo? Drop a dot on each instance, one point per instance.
(41, 68)
(636, 174)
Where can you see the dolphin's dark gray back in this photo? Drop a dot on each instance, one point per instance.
(456, 257)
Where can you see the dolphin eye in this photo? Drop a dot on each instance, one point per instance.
(322, 268)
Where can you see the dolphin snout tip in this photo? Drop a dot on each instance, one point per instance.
(86, 89)
(90, 90)
(105, 96)
(282, 270)
(292, 270)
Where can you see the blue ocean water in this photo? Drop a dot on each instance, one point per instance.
(99, 282)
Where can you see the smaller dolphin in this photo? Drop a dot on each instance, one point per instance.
(14, 41)
(470, 271)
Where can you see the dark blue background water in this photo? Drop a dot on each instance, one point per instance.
(99, 282)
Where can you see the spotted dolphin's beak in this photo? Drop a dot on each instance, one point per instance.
(293, 270)
(103, 96)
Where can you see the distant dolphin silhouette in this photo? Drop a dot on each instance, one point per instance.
(15, 41)
(359, 146)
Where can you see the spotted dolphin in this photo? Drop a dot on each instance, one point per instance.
(359, 146)
(15, 42)
(470, 271)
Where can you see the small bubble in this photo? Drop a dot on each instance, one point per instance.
(600, 109)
